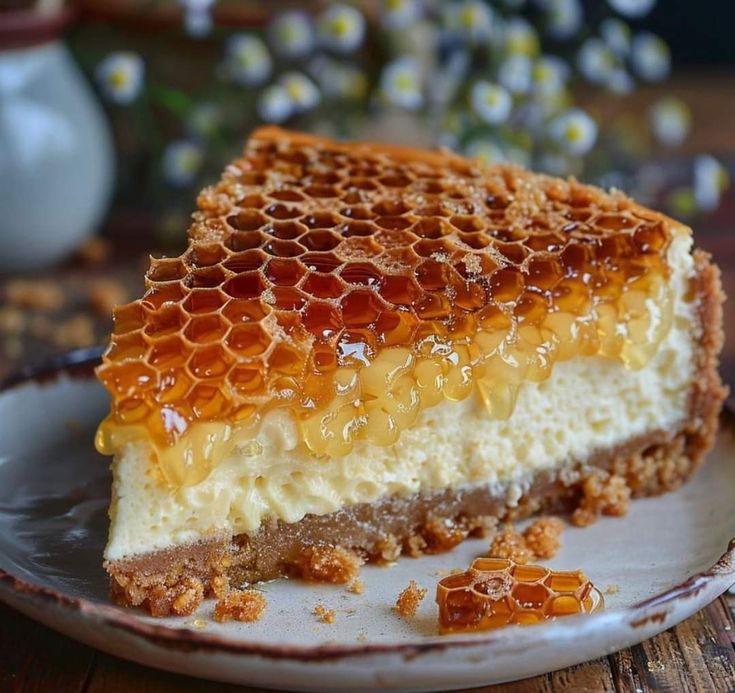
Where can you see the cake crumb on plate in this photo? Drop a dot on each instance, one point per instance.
(542, 536)
(510, 544)
(323, 614)
(356, 586)
(240, 605)
(408, 601)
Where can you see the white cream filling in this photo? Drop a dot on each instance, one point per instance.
(588, 403)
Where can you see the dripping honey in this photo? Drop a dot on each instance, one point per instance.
(356, 290)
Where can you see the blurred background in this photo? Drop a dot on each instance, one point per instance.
(113, 113)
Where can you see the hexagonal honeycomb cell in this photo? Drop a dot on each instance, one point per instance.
(497, 592)
(356, 285)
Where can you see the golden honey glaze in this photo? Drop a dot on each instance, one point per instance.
(357, 285)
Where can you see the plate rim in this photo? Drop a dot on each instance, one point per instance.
(80, 364)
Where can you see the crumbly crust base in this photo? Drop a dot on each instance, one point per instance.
(651, 464)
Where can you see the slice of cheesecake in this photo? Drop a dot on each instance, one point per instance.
(372, 349)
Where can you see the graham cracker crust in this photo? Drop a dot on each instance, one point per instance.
(174, 581)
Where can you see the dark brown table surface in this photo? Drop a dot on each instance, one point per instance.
(697, 655)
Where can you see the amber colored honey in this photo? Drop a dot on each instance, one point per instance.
(356, 287)
(496, 592)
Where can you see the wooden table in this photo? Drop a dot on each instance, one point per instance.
(697, 655)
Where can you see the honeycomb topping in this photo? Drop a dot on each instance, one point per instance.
(496, 592)
(357, 285)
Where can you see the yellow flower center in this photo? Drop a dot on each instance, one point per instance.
(404, 82)
(468, 17)
(119, 77)
(340, 26)
(573, 132)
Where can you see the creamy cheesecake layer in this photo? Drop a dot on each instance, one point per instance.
(587, 404)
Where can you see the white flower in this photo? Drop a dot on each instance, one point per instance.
(564, 18)
(650, 57)
(291, 34)
(574, 131)
(274, 104)
(448, 77)
(471, 20)
(486, 151)
(620, 82)
(400, 14)
(491, 103)
(302, 92)
(248, 60)
(632, 8)
(514, 73)
(203, 120)
(197, 16)
(341, 28)
(120, 76)
(596, 61)
(181, 162)
(336, 79)
(710, 180)
(401, 84)
(616, 35)
(549, 75)
(670, 121)
(520, 37)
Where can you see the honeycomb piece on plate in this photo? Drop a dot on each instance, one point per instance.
(496, 592)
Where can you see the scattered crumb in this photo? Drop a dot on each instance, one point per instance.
(105, 294)
(361, 637)
(220, 586)
(94, 251)
(188, 597)
(602, 493)
(543, 536)
(42, 294)
(510, 544)
(388, 549)
(323, 614)
(77, 331)
(240, 605)
(12, 320)
(408, 601)
(356, 586)
(327, 564)
(415, 546)
(612, 589)
(199, 623)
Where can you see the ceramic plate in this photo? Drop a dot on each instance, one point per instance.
(665, 560)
